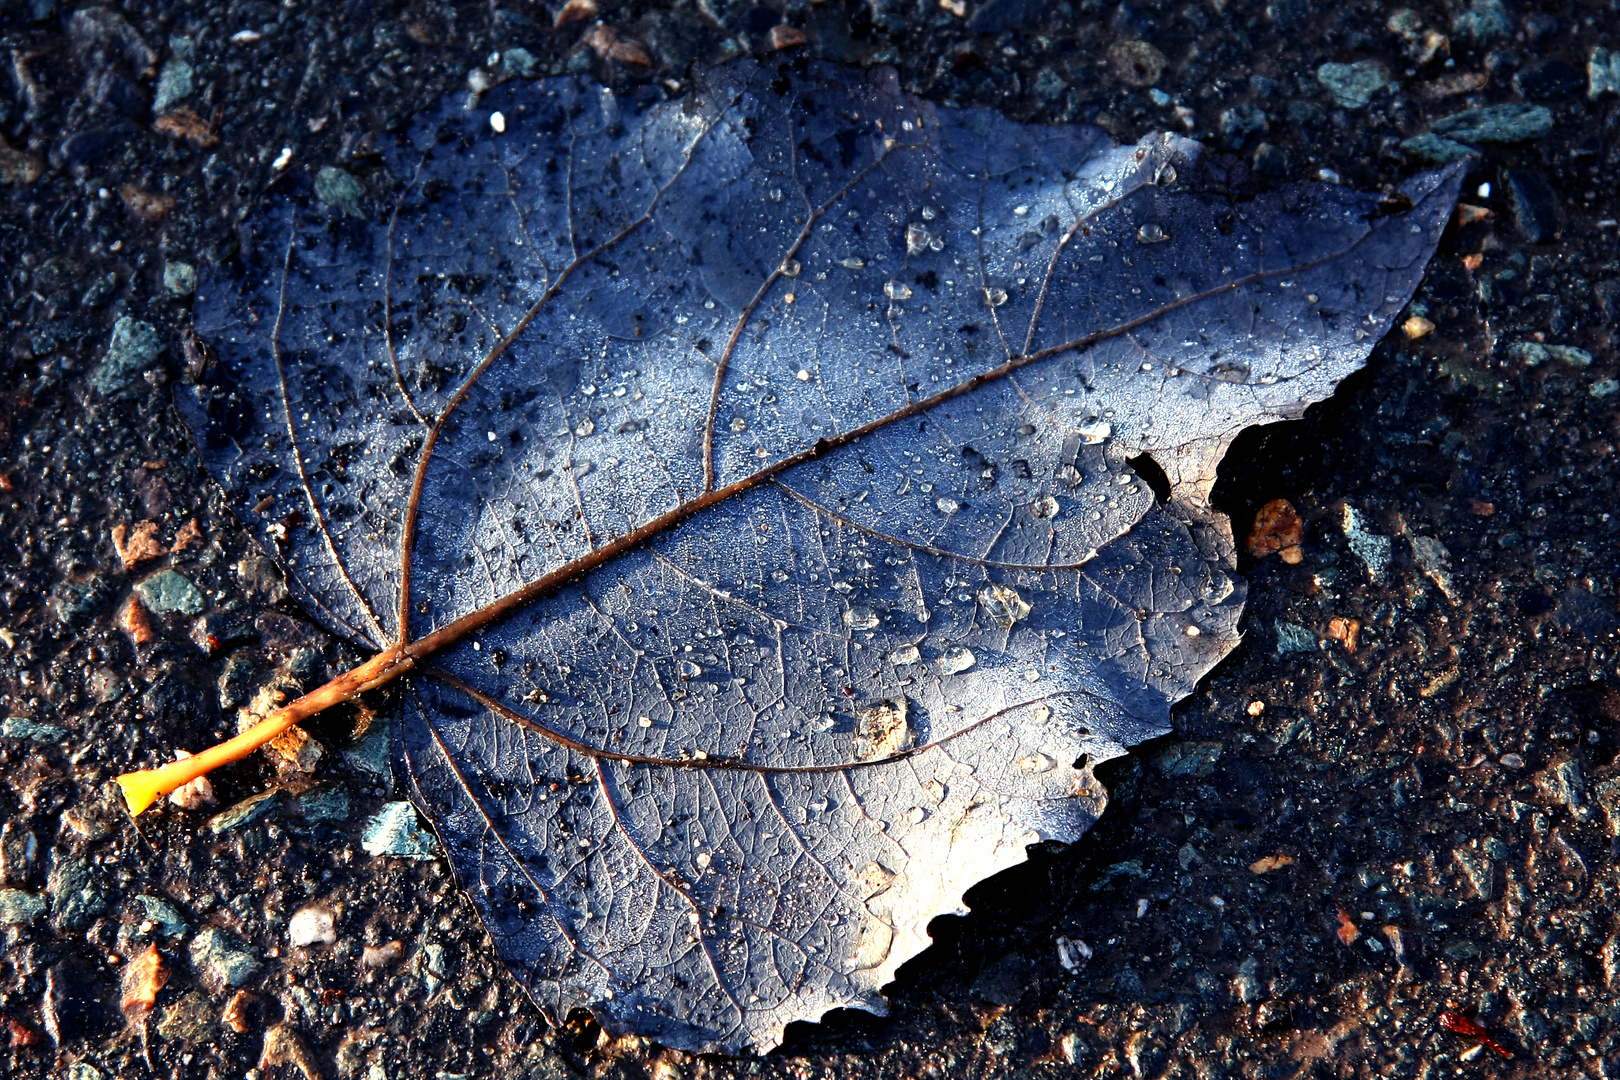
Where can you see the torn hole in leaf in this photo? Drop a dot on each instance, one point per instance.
(1152, 474)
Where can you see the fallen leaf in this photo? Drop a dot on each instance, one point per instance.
(143, 978)
(1270, 863)
(1277, 529)
(138, 545)
(763, 478)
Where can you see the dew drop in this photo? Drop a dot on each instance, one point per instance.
(703, 858)
(1003, 604)
(644, 721)
(497, 122)
(917, 239)
(874, 879)
(1095, 431)
(905, 654)
(995, 296)
(690, 670)
(779, 576)
(791, 268)
(803, 375)
(956, 660)
(861, 617)
(854, 262)
(935, 790)
(947, 505)
(1045, 507)
(1036, 763)
(881, 730)
(1151, 233)
(585, 427)
(897, 290)
(916, 815)
(738, 424)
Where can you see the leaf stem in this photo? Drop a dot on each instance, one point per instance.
(142, 789)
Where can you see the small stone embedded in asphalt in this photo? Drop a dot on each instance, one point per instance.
(394, 831)
(1372, 549)
(164, 916)
(341, 191)
(1353, 85)
(24, 727)
(1188, 758)
(135, 346)
(1603, 73)
(518, 64)
(323, 802)
(19, 907)
(1293, 638)
(1497, 124)
(311, 926)
(1246, 984)
(246, 812)
(1535, 206)
(1604, 387)
(370, 752)
(220, 960)
(76, 899)
(180, 278)
(175, 83)
(1435, 149)
(169, 591)
(1435, 561)
(1483, 20)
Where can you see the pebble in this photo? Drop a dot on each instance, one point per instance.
(1535, 207)
(75, 898)
(370, 753)
(1435, 561)
(323, 802)
(1604, 387)
(1188, 759)
(134, 347)
(1603, 73)
(164, 916)
(376, 956)
(393, 831)
(168, 591)
(1372, 549)
(180, 279)
(246, 812)
(518, 63)
(1483, 20)
(175, 83)
(1293, 638)
(341, 191)
(1534, 353)
(23, 727)
(311, 926)
(19, 907)
(1435, 149)
(17, 167)
(221, 960)
(1353, 85)
(1516, 122)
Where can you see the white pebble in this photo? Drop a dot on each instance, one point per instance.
(311, 926)
(497, 120)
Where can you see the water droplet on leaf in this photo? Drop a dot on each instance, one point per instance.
(956, 660)
(861, 617)
(905, 654)
(1045, 507)
(1003, 604)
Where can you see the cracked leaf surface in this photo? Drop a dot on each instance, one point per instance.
(786, 428)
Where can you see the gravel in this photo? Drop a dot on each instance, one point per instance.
(1444, 782)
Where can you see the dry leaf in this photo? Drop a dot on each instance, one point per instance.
(815, 419)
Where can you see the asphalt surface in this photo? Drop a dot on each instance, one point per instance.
(1339, 845)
